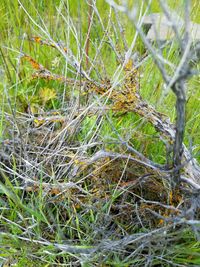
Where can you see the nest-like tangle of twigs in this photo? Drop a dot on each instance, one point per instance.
(124, 190)
(134, 194)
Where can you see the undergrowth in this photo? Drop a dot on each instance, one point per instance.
(61, 106)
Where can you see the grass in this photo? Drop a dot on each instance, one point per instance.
(38, 211)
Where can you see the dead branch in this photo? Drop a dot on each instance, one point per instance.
(177, 85)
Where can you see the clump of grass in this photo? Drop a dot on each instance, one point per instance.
(62, 203)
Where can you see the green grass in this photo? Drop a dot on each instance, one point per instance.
(31, 223)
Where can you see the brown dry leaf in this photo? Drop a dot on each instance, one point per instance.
(34, 64)
(37, 39)
(41, 41)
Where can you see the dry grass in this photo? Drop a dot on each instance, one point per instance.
(84, 177)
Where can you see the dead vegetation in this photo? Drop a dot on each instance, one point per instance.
(134, 199)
